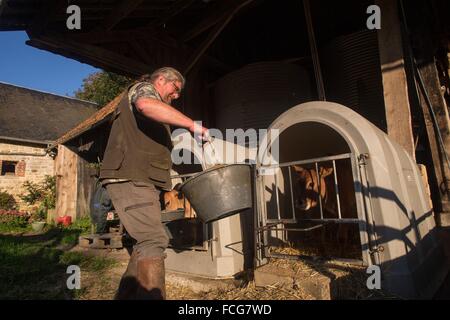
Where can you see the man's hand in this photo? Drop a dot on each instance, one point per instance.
(164, 113)
(199, 131)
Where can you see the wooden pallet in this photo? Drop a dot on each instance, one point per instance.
(115, 240)
(101, 241)
(169, 216)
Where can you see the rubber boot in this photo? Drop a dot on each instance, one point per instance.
(151, 278)
(129, 283)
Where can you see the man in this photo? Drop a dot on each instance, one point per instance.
(135, 167)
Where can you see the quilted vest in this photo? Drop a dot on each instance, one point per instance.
(138, 148)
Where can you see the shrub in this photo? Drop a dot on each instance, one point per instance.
(43, 193)
(13, 220)
(7, 201)
(49, 200)
(38, 214)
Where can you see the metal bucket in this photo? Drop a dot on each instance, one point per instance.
(220, 191)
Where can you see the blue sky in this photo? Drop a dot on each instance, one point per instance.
(30, 67)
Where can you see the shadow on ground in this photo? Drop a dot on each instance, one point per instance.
(33, 266)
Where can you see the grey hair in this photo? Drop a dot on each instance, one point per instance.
(170, 74)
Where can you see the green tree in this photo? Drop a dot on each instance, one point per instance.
(101, 87)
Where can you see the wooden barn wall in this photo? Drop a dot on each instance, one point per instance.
(90, 147)
(66, 182)
(426, 44)
(76, 171)
(86, 176)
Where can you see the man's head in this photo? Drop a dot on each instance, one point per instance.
(168, 82)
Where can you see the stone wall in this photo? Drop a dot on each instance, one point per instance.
(31, 166)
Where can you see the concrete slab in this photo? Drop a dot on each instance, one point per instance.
(317, 286)
(444, 219)
(200, 284)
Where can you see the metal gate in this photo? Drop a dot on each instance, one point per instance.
(274, 220)
(175, 221)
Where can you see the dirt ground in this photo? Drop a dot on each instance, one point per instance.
(34, 267)
(94, 287)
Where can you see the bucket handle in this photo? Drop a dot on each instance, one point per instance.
(214, 158)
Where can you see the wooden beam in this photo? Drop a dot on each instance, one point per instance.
(92, 54)
(419, 26)
(437, 122)
(3, 4)
(212, 36)
(121, 11)
(148, 33)
(141, 51)
(175, 9)
(314, 52)
(217, 14)
(440, 169)
(45, 14)
(395, 88)
(306, 59)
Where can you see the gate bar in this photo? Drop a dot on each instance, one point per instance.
(292, 193)
(337, 189)
(319, 190)
(308, 161)
(277, 197)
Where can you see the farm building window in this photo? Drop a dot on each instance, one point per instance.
(9, 168)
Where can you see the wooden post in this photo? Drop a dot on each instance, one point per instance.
(398, 114)
(420, 26)
(314, 52)
(440, 165)
(66, 182)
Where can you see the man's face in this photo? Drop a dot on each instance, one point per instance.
(168, 89)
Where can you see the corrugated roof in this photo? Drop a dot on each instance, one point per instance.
(35, 115)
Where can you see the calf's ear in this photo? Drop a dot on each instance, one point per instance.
(298, 169)
(325, 172)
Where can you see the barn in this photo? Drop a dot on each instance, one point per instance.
(30, 121)
(247, 64)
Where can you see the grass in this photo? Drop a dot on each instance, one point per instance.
(72, 232)
(7, 228)
(16, 225)
(33, 266)
(85, 262)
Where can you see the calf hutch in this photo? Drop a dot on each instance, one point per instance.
(356, 107)
(380, 211)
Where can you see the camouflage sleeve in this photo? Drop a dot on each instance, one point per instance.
(142, 90)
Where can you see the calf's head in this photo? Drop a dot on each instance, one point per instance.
(173, 200)
(306, 184)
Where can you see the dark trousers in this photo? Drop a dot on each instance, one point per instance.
(139, 210)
